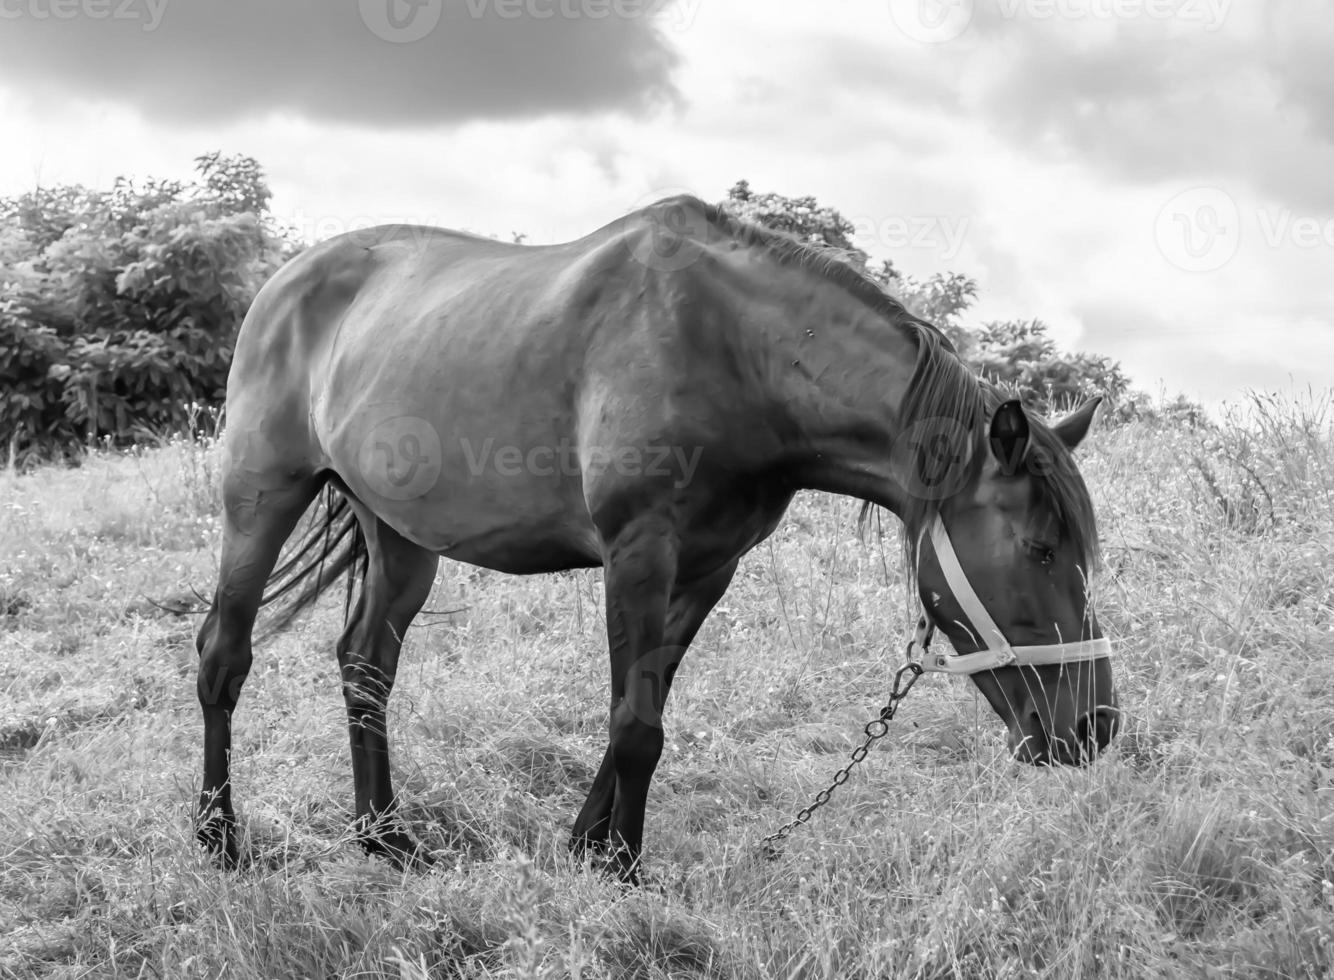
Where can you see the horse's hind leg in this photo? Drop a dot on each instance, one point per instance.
(256, 523)
(399, 576)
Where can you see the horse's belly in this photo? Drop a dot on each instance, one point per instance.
(520, 554)
(538, 526)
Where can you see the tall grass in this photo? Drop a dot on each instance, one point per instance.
(1202, 845)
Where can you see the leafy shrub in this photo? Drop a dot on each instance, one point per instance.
(1020, 355)
(120, 309)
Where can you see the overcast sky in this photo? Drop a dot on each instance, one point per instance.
(1154, 178)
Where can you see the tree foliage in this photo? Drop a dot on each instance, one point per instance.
(1019, 354)
(119, 308)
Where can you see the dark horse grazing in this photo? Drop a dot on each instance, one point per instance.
(648, 399)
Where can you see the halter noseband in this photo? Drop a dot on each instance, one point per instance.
(998, 652)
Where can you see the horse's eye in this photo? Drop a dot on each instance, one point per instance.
(1043, 553)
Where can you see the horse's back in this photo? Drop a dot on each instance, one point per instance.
(382, 294)
(498, 403)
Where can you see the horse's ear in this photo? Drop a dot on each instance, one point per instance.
(1009, 436)
(1074, 427)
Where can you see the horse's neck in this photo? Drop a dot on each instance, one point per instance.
(838, 372)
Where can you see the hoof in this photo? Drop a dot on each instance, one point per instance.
(625, 868)
(592, 848)
(401, 851)
(614, 863)
(390, 841)
(216, 833)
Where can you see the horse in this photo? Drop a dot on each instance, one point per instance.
(647, 399)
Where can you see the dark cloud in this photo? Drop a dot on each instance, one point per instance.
(378, 62)
(1203, 95)
(1301, 43)
(1108, 103)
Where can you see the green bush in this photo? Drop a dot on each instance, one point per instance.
(1020, 355)
(119, 309)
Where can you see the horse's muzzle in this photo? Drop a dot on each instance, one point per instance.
(1076, 744)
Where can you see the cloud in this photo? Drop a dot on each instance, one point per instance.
(1148, 112)
(385, 63)
(1216, 357)
(1302, 38)
(1151, 91)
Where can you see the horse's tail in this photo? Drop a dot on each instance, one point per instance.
(331, 545)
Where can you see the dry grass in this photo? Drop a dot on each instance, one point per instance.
(1202, 846)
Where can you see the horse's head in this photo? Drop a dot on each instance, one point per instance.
(1003, 569)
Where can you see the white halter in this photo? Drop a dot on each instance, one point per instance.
(998, 652)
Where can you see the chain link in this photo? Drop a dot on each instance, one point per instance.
(875, 729)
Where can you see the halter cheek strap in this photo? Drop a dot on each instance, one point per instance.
(998, 652)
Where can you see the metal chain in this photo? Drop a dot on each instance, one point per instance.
(876, 729)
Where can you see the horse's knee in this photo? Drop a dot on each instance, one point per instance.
(636, 743)
(366, 685)
(224, 664)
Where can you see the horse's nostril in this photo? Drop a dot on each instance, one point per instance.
(1108, 723)
(1095, 730)
(1028, 742)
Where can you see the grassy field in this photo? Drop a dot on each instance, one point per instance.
(1201, 846)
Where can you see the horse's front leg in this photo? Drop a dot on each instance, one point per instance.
(690, 605)
(640, 558)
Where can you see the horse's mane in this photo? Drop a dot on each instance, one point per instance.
(944, 398)
(786, 249)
